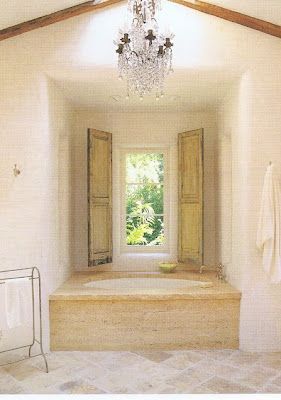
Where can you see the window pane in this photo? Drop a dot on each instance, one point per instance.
(138, 196)
(141, 232)
(144, 199)
(144, 167)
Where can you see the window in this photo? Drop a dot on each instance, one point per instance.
(144, 200)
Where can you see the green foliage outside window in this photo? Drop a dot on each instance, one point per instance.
(144, 199)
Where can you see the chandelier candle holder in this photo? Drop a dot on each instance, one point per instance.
(144, 54)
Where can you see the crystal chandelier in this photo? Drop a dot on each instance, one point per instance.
(144, 54)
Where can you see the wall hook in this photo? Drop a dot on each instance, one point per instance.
(16, 170)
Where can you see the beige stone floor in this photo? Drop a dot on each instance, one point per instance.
(213, 371)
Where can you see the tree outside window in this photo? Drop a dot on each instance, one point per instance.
(144, 199)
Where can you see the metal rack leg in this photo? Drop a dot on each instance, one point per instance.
(44, 357)
(40, 315)
(34, 340)
(33, 314)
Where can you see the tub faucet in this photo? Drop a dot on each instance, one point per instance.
(219, 268)
(220, 272)
(201, 268)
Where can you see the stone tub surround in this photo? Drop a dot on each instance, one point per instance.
(74, 289)
(83, 318)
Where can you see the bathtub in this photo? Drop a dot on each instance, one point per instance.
(130, 311)
(146, 284)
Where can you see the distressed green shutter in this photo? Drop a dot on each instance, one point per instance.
(99, 197)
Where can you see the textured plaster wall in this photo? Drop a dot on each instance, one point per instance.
(35, 207)
(249, 133)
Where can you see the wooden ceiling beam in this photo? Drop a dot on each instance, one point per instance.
(232, 16)
(89, 6)
(57, 16)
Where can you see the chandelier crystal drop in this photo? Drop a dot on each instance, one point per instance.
(144, 54)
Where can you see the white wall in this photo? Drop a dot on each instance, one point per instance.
(141, 130)
(231, 180)
(35, 132)
(263, 332)
(250, 124)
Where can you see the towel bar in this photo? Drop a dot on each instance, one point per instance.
(33, 274)
(18, 277)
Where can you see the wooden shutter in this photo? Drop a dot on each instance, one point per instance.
(99, 197)
(190, 228)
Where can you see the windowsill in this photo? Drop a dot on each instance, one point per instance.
(138, 252)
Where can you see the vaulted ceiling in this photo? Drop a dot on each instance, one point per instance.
(86, 69)
(13, 12)
(16, 11)
(267, 10)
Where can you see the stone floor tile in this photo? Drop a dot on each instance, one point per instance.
(167, 389)
(79, 386)
(212, 371)
(39, 364)
(218, 355)
(155, 371)
(4, 376)
(184, 390)
(153, 379)
(138, 378)
(271, 360)
(91, 372)
(41, 381)
(156, 356)
(277, 380)
(87, 388)
(100, 355)
(201, 390)
(89, 356)
(44, 390)
(68, 370)
(9, 385)
(148, 386)
(188, 379)
(12, 389)
(66, 387)
(255, 376)
(21, 371)
(112, 385)
(183, 386)
(119, 381)
(218, 368)
(114, 360)
(59, 363)
(240, 358)
(219, 385)
(270, 388)
(182, 360)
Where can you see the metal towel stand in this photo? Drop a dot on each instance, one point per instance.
(33, 274)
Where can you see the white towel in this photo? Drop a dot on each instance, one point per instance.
(18, 302)
(268, 235)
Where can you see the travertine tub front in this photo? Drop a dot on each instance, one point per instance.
(121, 311)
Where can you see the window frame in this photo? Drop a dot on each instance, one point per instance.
(124, 247)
